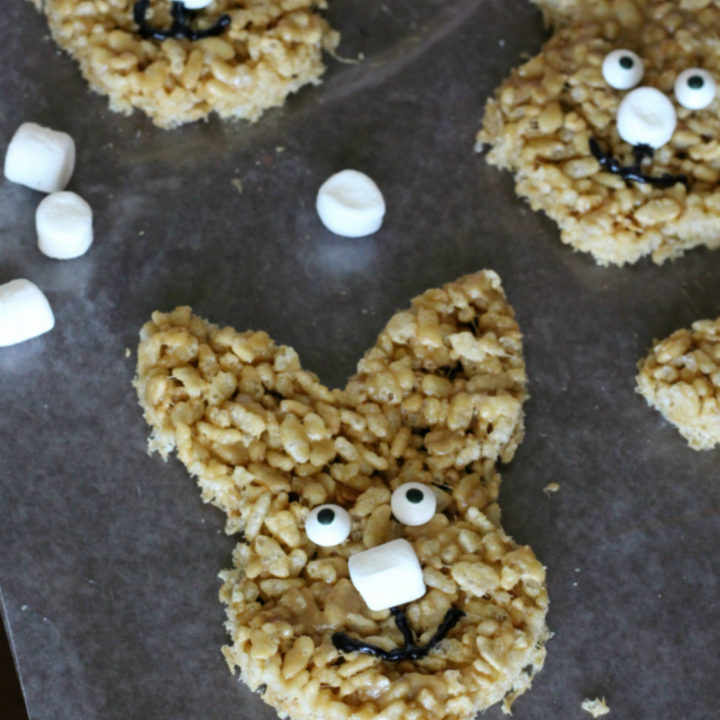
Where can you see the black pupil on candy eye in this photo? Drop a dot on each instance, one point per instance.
(414, 496)
(626, 62)
(695, 82)
(325, 516)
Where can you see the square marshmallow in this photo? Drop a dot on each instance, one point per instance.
(387, 575)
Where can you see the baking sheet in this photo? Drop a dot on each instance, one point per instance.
(109, 558)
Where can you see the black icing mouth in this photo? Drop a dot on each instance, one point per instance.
(410, 651)
(180, 28)
(634, 172)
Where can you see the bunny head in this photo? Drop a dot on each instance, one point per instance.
(180, 61)
(372, 577)
(613, 129)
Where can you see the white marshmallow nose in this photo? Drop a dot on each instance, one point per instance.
(646, 117)
(387, 575)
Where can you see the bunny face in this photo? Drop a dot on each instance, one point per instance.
(372, 574)
(613, 128)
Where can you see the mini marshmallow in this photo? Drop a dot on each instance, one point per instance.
(646, 117)
(387, 575)
(196, 4)
(24, 312)
(40, 158)
(64, 225)
(350, 204)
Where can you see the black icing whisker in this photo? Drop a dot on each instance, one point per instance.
(410, 651)
(634, 172)
(181, 24)
(404, 626)
(452, 616)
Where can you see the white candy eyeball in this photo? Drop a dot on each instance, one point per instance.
(695, 88)
(622, 69)
(327, 525)
(413, 503)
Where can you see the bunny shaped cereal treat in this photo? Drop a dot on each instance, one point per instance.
(179, 61)
(613, 129)
(372, 577)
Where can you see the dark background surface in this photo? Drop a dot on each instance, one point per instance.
(10, 692)
(109, 558)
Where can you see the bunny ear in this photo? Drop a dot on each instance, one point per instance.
(451, 370)
(230, 404)
(563, 12)
(440, 393)
(556, 11)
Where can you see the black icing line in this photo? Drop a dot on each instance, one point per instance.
(410, 651)
(634, 172)
(180, 28)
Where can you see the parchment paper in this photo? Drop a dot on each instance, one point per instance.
(108, 558)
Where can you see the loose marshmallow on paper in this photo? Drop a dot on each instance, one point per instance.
(64, 225)
(40, 158)
(350, 204)
(24, 312)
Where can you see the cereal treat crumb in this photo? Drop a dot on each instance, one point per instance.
(437, 401)
(681, 378)
(271, 49)
(554, 123)
(596, 707)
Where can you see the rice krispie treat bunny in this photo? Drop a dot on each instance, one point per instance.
(614, 128)
(180, 61)
(372, 578)
(680, 377)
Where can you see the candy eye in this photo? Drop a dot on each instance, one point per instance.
(622, 69)
(695, 88)
(413, 503)
(327, 525)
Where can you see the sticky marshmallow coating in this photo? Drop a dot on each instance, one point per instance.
(646, 117)
(40, 158)
(350, 204)
(63, 221)
(24, 312)
(387, 575)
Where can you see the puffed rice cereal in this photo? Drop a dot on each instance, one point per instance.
(597, 707)
(438, 401)
(681, 378)
(542, 120)
(270, 49)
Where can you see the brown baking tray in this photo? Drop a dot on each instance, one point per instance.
(109, 560)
